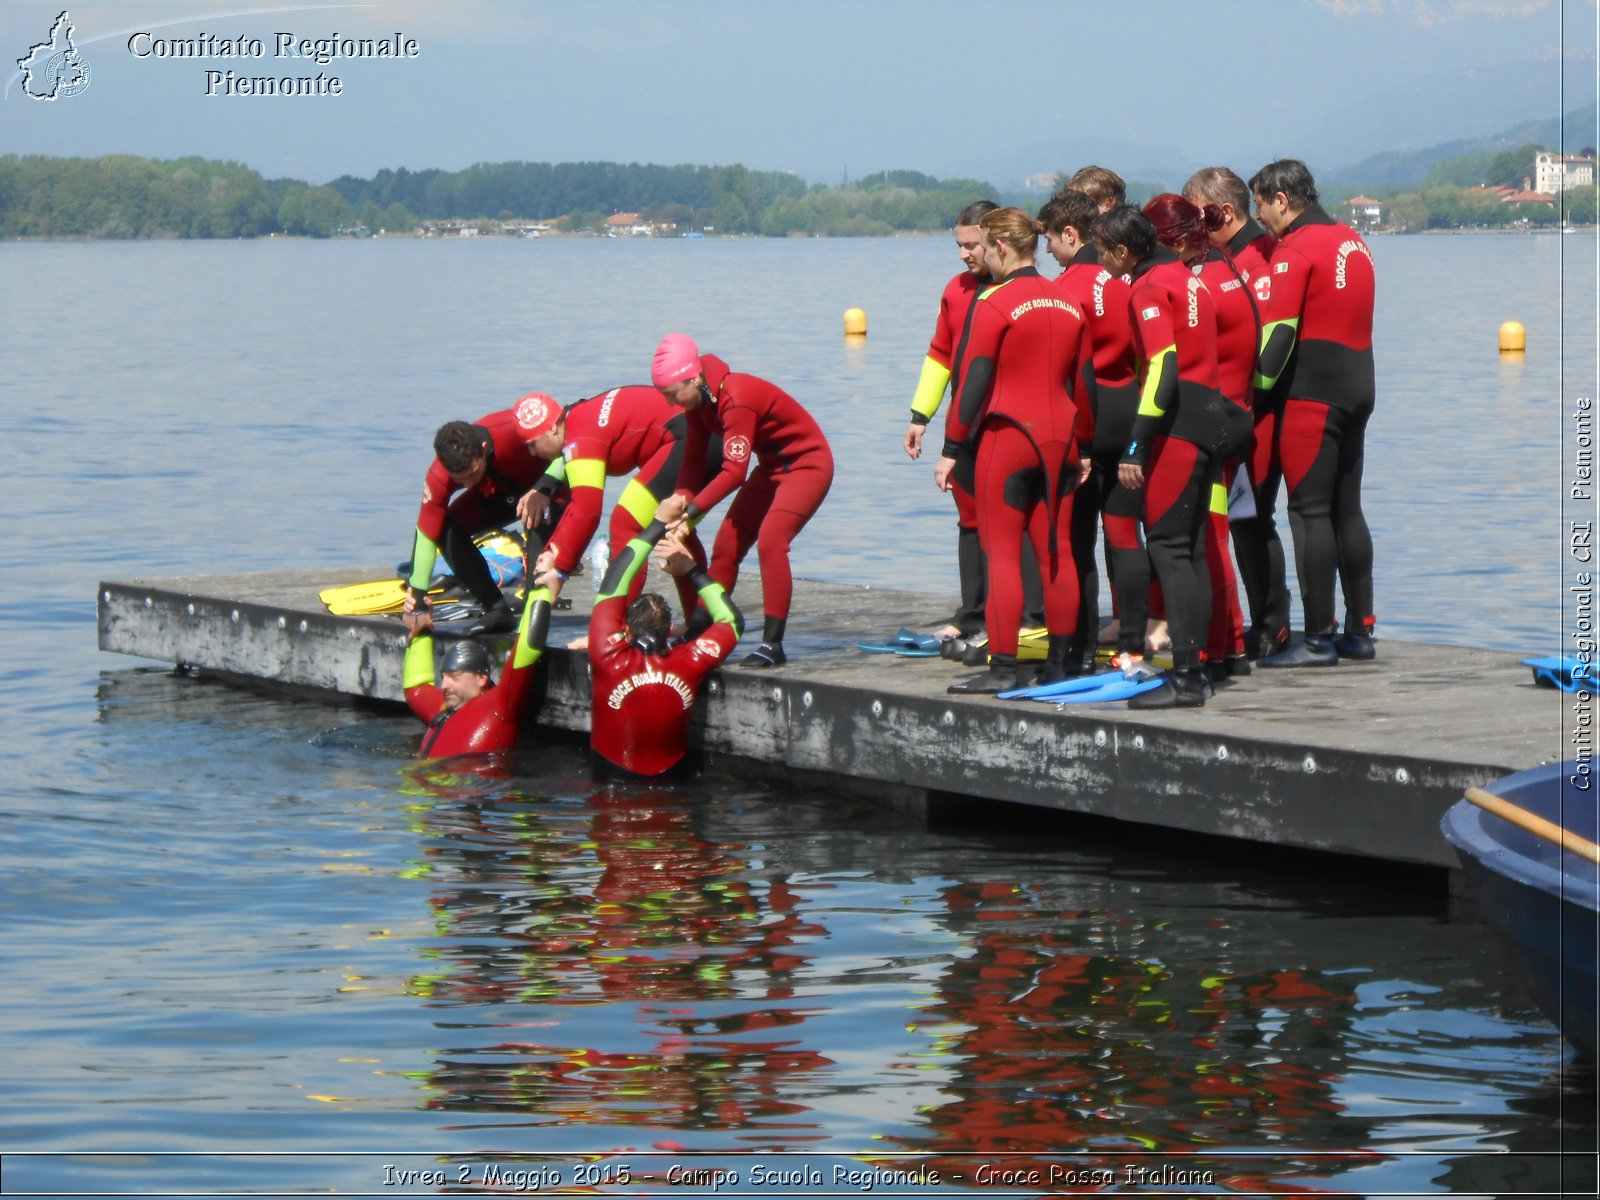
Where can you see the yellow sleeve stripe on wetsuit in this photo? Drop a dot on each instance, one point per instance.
(639, 502)
(557, 470)
(1269, 331)
(715, 598)
(1160, 363)
(527, 652)
(1219, 499)
(418, 669)
(930, 387)
(584, 472)
(424, 553)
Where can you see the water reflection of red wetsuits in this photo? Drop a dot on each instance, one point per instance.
(793, 472)
(1026, 394)
(1103, 299)
(1179, 433)
(492, 719)
(1318, 343)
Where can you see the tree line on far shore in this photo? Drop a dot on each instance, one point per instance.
(121, 196)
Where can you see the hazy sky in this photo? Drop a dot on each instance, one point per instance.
(821, 87)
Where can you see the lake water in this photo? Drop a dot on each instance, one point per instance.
(251, 946)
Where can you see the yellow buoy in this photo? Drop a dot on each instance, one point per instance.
(855, 322)
(1513, 337)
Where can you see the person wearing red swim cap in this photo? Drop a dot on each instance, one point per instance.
(482, 471)
(792, 474)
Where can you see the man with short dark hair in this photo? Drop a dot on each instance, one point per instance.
(643, 692)
(479, 479)
(1317, 340)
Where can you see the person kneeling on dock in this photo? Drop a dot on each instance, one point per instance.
(466, 711)
(644, 694)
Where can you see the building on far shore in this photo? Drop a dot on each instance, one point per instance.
(1554, 172)
(1363, 212)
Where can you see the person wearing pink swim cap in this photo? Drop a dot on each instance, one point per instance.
(792, 473)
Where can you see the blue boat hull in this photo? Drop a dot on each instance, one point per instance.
(1543, 901)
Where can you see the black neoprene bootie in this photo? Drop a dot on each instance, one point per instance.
(1181, 687)
(1312, 650)
(1000, 677)
(1063, 659)
(1358, 647)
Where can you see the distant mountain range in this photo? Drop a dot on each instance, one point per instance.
(1389, 139)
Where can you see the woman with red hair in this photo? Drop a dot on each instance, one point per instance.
(1178, 432)
(1186, 228)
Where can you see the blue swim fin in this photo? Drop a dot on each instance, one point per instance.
(1117, 689)
(1064, 687)
(1563, 671)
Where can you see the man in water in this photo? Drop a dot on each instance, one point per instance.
(644, 693)
(465, 710)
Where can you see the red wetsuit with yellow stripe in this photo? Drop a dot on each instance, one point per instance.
(793, 471)
(1317, 347)
(625, 429)
(643, 700)
(1025, 396)
(1178, 435)
(492, 719)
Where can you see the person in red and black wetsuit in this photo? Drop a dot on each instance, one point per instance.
(1248, 247)
(1317, 342)
(625, 429)
(1185, 229)
(954, 305)
(793, 472)
(644, 694)
(1102, 298)
(493, 464)
(1172, 453)
(1025, 397)
(466, 712)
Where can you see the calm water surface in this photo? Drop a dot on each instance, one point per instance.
(252, 946)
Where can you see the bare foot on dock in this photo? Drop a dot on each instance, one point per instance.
(579, 643)
(1110, 632)
(945, 632)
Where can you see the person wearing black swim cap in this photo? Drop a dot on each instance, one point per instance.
(465, 710)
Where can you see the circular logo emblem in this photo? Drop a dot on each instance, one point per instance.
(533, 412)
(427, 493)
(69, 71)
(737, 448)
(707, 647)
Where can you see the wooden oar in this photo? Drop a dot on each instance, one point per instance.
(1535, 824)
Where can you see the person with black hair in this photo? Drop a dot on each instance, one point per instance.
(480, 474)
(643, 691)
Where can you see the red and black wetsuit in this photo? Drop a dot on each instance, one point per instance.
(1025, 395)
(1178, 435)
(1103, 299)
(626, 429)
(1317, 343)
(642, 700)
(793, 472)
(937, 369)
(1256, 544)
(491, 503)
(492, 719)
(1238, 337)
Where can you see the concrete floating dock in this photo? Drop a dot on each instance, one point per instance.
(1360, 759)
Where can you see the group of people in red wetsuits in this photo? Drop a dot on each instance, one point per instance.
(698, 434)
(1184, 364)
